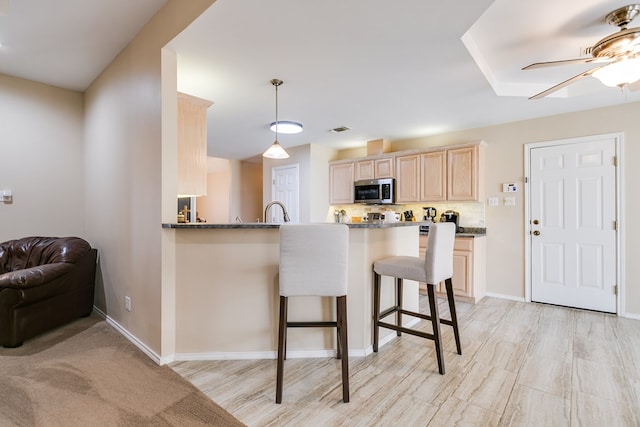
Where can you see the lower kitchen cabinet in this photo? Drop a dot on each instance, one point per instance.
(469, 263)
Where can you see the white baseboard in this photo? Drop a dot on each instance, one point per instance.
(504, 296)
(631, 315)
(135, 341)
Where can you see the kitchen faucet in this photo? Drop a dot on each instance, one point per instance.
(284, 210)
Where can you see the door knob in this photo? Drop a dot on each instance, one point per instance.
(535, 221)
(536, 233)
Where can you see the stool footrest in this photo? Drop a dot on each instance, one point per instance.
(412, 313)
(311, 324)
(406, 330)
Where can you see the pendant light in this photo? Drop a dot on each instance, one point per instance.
(276, 151)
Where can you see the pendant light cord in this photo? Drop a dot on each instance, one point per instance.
(276, 83)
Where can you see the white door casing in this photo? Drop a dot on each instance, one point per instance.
(574, 257)
(285, 188)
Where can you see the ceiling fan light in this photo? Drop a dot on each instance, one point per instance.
(286, 126)
(619, 73)
(275, 151)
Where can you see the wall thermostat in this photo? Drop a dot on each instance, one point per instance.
(509, 188)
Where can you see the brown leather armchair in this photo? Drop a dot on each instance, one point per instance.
(44, 282)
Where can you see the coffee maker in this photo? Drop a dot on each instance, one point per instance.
(429, 214)
(451, 216)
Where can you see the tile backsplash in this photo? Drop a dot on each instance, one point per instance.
(472, 214)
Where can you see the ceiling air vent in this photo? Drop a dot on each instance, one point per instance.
(340, 129)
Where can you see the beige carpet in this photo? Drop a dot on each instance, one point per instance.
(87, 374)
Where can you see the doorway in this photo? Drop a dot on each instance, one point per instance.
(285, 187)
(572, 212)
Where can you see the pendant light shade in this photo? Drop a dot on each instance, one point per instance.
(276, 151)
(286, 126)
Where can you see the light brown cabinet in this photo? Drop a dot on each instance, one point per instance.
(469, 260)
(408, 178)
(192, 145)
(453, 174)
(463, 173)
(341, 183)
(374, 168)
(433, 176)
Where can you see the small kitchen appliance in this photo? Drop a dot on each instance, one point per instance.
(429, 214)
(375, 191)
(451, 216)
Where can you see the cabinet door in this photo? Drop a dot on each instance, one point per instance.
(434, 176)
(461, 273)
(408, 178)
(192, 145)
(341, 184)
(364, 170)
(462, 267)
(384, 168)
(462, 178)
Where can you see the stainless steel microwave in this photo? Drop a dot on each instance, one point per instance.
(375, 191)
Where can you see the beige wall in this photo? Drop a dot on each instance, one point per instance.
(505, 163)
(41, 160)
(129, 194)
(250, 191)
(214, 207)
(313, 180)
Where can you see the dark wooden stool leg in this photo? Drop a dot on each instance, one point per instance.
(398, 304)
(342, 303)
(376, 310)
(338, 330)
(282, 331)
(435, 322)
(454, 316)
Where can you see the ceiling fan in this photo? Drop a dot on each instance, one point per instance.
(618, 53)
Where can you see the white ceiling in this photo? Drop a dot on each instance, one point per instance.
(385, 69)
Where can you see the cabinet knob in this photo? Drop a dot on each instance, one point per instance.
(535, 221)
(536, 233)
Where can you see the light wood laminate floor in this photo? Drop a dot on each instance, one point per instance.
(522, 364)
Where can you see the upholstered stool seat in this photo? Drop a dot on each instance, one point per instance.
(437, 266)
(313, 262)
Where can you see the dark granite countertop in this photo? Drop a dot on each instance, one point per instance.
(263, 225)
(466, 232)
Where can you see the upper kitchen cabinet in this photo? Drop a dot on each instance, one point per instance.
(341, 183)
(374, 168)
(452, 174)
(192, 145)
(464, 173)
(433, 176)
(408, 178)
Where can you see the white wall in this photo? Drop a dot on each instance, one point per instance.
(41, 160)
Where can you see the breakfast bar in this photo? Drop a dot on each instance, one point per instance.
(227, 290)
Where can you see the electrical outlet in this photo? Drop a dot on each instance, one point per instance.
(127, 303)
(493, 201)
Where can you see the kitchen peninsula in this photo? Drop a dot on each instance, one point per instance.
(227, 290)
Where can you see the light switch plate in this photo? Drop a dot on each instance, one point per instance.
(509, 201)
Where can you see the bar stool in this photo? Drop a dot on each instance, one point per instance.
(437, 266)
(313, 262)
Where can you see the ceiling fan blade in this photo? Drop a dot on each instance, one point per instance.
(566, 83)
(566, 62)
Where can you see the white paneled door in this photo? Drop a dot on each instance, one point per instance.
(285, 188)
(573, 224)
